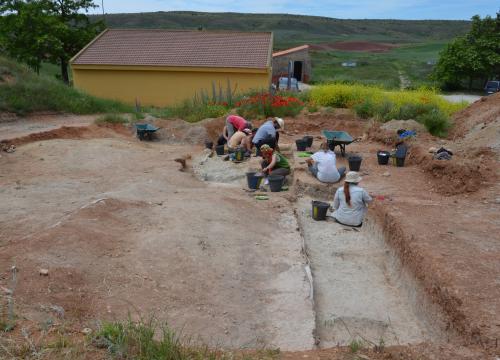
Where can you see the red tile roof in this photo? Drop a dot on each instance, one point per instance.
(289, 51)
(178, 48)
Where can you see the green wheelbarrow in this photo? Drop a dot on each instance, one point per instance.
(145, 131)
(338, 138)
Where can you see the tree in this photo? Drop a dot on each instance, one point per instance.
(26, 30)
(34, 31)
(74, 31)
(475, 56)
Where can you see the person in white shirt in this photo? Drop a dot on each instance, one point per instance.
(323, 165)
(350, 201)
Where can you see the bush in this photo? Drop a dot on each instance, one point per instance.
(423, 105)
(365, 109)
(435, 121)
(266, 105)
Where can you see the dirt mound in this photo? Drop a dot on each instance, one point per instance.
(72, 132)
(457, 176)
(364, 46)
(483, 111)
(395, 125)
(466, 172)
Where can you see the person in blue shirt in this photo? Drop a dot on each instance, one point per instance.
(268, 133)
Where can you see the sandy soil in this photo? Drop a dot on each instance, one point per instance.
(120, 228)
(12, 127)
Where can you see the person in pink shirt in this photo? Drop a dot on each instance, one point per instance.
(234, 123)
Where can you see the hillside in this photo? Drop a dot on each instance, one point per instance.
(22, 92)
(290, 30)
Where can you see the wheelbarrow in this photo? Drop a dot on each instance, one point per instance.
(338, 138)
(145, 131)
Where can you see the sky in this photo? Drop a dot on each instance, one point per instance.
(344, 9)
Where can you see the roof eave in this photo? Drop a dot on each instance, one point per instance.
(86, 46)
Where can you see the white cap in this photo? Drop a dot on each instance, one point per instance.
(280, 122)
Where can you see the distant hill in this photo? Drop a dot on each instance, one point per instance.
(291, 30)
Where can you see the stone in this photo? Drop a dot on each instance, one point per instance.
(386, 174)
(44, 272)
(87, 331)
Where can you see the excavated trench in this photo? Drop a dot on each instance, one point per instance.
(359, 289)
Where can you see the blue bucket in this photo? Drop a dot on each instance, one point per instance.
(254, 180)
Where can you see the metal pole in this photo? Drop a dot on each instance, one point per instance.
(102, 6)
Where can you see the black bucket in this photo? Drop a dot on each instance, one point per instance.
(400, 161)
(354, 162)
(319, 209)
(209, 144)
(219, 149)
(254, 180)
(309, 140)
(383, 157)
(275, 182)
(301, 144)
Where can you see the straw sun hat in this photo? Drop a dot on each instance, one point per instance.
(352, 177)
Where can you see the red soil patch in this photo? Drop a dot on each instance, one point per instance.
(72, 132)
(363, 46)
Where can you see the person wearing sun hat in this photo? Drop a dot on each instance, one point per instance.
(350, 201)
(268, 133)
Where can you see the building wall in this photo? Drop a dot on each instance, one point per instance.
(163, 85)
(280, 64)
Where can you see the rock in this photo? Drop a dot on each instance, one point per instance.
(386, 174)
(87, 331)
(44, 272)
(432, 149)
(497, 200)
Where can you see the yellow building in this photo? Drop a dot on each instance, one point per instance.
(164, 67)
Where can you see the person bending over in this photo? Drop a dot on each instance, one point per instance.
(233, 124)
(273, 163)
(350, 201)
(242, 139)
(323, 165)
(268, 133)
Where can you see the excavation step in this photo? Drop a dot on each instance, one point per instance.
(359, 292)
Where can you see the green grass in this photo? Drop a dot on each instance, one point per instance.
(26, 92)
(111, 119)
(380, 69)
(151, 340)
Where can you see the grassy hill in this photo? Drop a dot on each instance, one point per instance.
(419, 41)
(291, 30)
(22, 92)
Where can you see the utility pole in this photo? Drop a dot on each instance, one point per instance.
(102, 6)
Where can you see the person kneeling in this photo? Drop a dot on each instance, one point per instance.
(350, 201)
(323, 165)
(240, 139)
(273, 162)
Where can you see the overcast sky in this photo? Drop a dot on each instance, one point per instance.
(348, 9)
